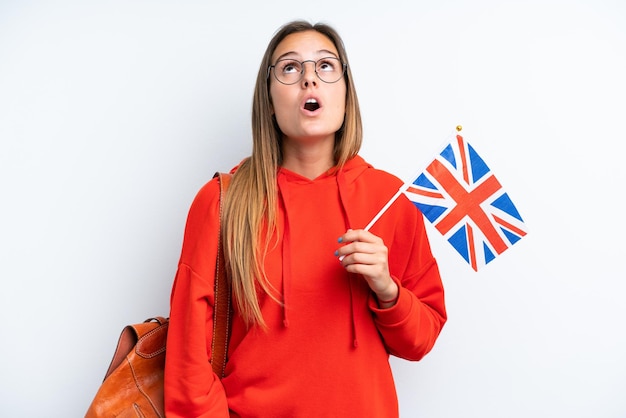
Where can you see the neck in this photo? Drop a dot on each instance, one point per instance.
(308, 160)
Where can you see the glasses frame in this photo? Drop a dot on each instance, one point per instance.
(344, 66)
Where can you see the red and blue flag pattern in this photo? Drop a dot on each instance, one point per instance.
(466, 203)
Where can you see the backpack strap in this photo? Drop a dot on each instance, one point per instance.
(222, 309)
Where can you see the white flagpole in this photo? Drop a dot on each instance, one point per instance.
(403, 188)
(384, 209)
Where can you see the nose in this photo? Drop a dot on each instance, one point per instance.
(309, 77)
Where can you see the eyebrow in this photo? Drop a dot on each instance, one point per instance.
(321, 51)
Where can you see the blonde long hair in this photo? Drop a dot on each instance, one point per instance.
(250, 208)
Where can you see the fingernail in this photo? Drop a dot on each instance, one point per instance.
(340, 239)
(336, 253)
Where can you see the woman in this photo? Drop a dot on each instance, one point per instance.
(319, 303)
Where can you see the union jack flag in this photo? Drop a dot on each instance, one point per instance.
(465, 202)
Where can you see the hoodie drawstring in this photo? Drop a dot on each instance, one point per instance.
(342, 186)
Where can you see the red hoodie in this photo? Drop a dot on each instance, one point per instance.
(327, 348)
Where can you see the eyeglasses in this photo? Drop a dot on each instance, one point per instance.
(289, 71)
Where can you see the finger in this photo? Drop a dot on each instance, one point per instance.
(361, 247)
(356, 249)
(352, 235)
(375, 263)
(365, 259)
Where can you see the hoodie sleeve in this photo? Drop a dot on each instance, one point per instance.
(191, 387)
(410, 328)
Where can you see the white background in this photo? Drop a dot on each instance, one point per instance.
(113, 114)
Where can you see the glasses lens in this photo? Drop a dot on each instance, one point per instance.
(289, 71)
(329, 69)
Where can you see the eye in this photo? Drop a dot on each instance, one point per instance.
(289, 67)
(327, 64)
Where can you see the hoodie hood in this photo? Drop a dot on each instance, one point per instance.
(351, 170)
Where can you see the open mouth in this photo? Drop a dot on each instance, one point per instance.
(311, 105)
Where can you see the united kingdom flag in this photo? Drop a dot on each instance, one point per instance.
(465, 202)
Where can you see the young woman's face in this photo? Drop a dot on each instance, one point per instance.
(310, 109)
